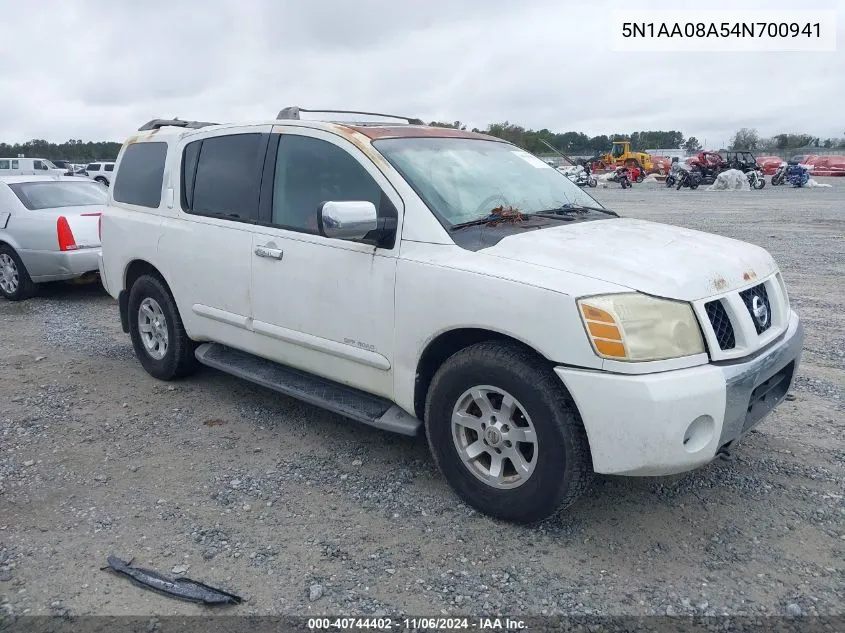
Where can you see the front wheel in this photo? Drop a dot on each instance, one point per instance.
(505, 433)
(760, 183)
(592, 182)
(158, 336)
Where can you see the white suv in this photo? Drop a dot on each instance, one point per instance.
(101, 172)
(408, 276)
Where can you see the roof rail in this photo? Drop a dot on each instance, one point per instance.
(156, 124)
(292, 112)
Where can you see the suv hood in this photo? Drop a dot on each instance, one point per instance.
(657, 259)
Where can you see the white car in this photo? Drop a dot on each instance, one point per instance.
(100, 172)
(414, 277)
(49, 231)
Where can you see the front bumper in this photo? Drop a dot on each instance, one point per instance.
(675, 421)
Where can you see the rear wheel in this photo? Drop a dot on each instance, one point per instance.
(102, 181)
(505, 434)
(15, 282)
(158, 336)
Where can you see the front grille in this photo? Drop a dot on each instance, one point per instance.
(722, 326)
(763, 318)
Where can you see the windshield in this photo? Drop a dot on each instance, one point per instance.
(60, 193)
(462, 179)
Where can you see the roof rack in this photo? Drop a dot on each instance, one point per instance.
(292, 112)
(156, 124)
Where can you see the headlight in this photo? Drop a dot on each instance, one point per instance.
(636, 327)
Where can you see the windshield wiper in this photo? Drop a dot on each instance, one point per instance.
(570, 207)
(492, 217)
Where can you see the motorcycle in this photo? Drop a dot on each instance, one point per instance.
(582, 178)
(779, 177)
(689, 178)
(622, 175)
(797, 175)
(755, 178)
(672, 176)
(637, 174)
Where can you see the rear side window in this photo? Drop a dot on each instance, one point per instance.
(141, 174)
(108, 167)
(4, 164)
(222, 176)
(92, 167)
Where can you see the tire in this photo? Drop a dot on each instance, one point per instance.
(592, 182)
(640, 177)
(101, 180)
(761, 182)
(560, 462)
(15, 282)
(153, 310)
(694, 185)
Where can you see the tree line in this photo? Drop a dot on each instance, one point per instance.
(74, 150)
(574, 143)
(749, 138)
(578, 143)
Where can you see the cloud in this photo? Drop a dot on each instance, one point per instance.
(94, 70)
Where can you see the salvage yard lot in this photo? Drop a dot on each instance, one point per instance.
(301, 511)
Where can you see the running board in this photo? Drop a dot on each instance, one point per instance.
(346, 401)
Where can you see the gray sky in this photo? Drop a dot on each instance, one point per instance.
(96, 70)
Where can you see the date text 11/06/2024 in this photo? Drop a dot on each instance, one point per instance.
(433, 624)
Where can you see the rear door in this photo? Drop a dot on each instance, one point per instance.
(206, 244)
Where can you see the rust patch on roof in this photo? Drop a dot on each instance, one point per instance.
(374, 132)
(360, 141)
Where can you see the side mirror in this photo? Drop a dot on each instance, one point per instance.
(347, 220)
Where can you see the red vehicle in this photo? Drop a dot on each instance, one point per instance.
(637, 173)
(710, 164)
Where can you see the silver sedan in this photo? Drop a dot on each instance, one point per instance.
(49, 231)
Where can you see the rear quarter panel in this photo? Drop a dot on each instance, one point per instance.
(129, 232)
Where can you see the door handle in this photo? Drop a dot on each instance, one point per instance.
(269, 252)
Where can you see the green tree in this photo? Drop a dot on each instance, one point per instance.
(691, 145)
(745, 139)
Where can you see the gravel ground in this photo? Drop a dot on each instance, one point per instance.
(303, 512)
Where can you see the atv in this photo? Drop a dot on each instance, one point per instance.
(747, 164)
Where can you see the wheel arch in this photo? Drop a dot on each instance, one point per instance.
(133, 271)
(449, 343)
(7, 240)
